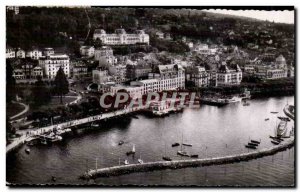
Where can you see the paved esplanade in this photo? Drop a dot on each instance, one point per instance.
(68, 124)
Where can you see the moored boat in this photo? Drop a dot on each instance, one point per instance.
(175, 144)
(182, 153)
(250, 146)
(255, 141)
(166, 158)
(275, 142)
(126, 162)
(187, 144)
(194, 156)
(253, 144)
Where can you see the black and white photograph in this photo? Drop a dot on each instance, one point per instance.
(115, 96)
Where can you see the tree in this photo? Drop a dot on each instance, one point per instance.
(40, 93)
(10, 83)
(61, 84)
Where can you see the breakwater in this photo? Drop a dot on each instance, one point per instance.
(177, 164)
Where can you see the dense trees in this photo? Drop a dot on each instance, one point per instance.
(10, 83)
(40, 94)
(61, 84)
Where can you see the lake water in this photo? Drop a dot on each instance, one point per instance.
(212, 131)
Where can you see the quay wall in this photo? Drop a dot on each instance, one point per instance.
(177, 164)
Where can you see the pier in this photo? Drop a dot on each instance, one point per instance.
(69, 124)
(177, 164)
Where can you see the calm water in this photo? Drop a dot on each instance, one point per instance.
(213, 132)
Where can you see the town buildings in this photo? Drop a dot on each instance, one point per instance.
(120, 37)
(228, 75)
(104, 54)
(79, 70)
(20, 53)
(100, 76)
(200, 77)
(137, 70)
(10, 52)
(48, 51)
(167, 77)
(87, 51)
(52, 63)
(34, 54)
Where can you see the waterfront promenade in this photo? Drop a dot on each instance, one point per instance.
(69, 124)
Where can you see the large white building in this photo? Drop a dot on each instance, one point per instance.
(52, 63)
(120, 37)
(228, 75)
(168, 77)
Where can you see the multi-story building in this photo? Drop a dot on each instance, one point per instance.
(105, 53)
(79, 70)
(228, 75)
(34, 54)
(52, 63)
(15, 9)
(133, 91)
(276, 73)
(20, 53)
(200, 77)
(137, 70)
(48, 51)
(167, 77)
(37, 71)
(18, 74)
(118, 72)
(10, 52)
(120, 37)
(87, 51)
(100, 76)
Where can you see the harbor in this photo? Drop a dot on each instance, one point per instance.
(153, 138)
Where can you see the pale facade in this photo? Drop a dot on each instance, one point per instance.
(87, 51)
(120, 37)
(228, 76)
(34, 54)
(52, 63)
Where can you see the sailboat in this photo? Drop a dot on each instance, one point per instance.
(132, 151)
(165, 157)
(281, 128)
(181, 152)
(126, 162)
(140, 161)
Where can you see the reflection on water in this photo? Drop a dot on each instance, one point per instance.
(213, 132)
